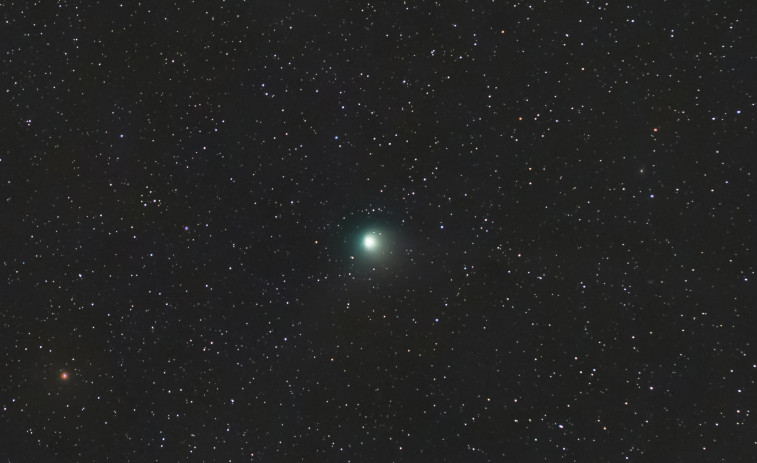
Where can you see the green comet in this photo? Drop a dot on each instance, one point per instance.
(370, 242)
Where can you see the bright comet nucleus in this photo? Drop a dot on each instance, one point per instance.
(369, 242)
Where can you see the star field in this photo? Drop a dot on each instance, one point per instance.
(356, 231)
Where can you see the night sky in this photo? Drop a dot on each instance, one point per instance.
(352, 231)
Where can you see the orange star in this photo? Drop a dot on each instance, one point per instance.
(64, 375)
